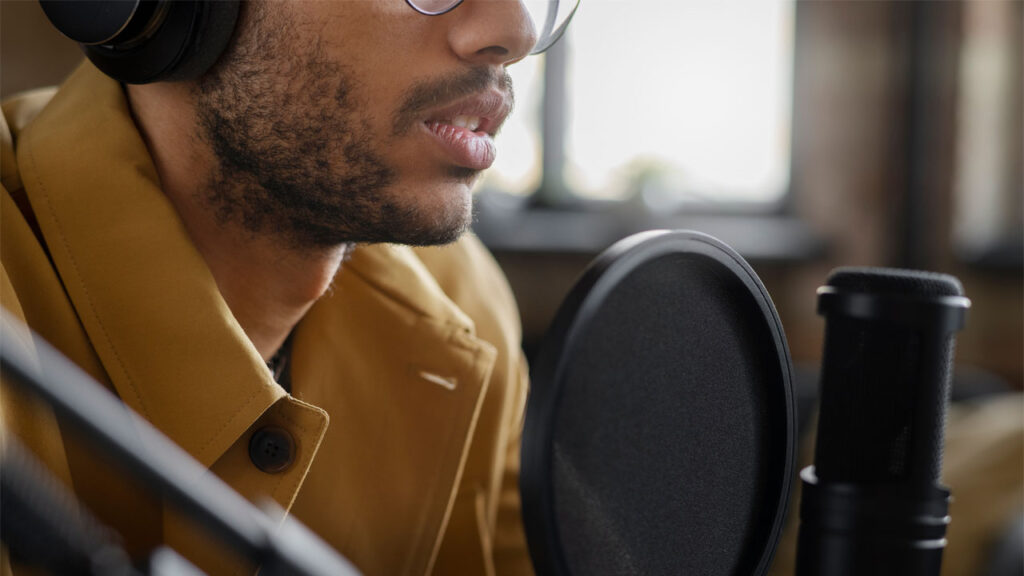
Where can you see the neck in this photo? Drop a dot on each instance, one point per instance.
(268, 288)
(268, 284)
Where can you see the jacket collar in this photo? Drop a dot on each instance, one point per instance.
(130, 270)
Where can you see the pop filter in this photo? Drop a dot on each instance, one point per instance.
(660, 427)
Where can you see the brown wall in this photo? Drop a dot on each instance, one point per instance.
(850, 181)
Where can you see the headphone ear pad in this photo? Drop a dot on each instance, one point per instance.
(192, 37)
(209, 41)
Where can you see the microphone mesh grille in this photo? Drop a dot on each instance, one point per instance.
(871, 387)
(884, 385)
(895, 281)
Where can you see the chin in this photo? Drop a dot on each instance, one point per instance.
(454, 219)
(439, 215)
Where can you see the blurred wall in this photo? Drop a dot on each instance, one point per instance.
(854, 107)
(32, 53)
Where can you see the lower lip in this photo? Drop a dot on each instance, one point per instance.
(474, 150)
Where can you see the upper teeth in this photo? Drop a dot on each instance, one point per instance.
(470, 123)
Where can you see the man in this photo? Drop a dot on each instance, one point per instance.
(226, 255)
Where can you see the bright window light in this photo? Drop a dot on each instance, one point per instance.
(673, 101)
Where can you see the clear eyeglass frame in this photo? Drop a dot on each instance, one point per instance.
(551, 17)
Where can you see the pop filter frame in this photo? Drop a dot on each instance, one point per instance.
(769, 393)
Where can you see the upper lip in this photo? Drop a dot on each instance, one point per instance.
(492, 107)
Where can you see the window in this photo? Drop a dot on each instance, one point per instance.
(673, 103)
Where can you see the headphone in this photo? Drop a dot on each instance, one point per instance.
(142, 41)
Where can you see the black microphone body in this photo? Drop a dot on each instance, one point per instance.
(872, 503)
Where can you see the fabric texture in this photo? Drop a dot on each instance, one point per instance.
(399, 473)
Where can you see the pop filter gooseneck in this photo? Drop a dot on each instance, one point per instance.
(659, 434)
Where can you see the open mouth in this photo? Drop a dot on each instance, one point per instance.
(463, 142)
(465, 129)
(471, 123)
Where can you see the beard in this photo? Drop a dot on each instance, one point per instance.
(296, 157)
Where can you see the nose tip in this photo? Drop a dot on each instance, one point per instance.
(496, 32)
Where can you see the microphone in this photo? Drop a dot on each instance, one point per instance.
(872, 503)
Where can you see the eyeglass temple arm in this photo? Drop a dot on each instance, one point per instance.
(549, 37)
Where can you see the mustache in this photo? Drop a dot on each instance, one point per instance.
(424, 96)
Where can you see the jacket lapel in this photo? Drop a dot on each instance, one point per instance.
(142, 292)
(404, 376)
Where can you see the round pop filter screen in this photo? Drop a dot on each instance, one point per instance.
(659, 434)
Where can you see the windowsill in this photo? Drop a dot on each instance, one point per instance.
(513, 226)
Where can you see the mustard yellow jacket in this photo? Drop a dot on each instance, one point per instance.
(407, 379)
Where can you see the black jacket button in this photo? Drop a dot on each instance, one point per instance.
(272, 449)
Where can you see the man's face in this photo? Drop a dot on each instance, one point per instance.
(358, 120)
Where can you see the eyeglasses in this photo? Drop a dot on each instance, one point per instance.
(550, 17)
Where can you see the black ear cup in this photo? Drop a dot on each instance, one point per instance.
(142, 41)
